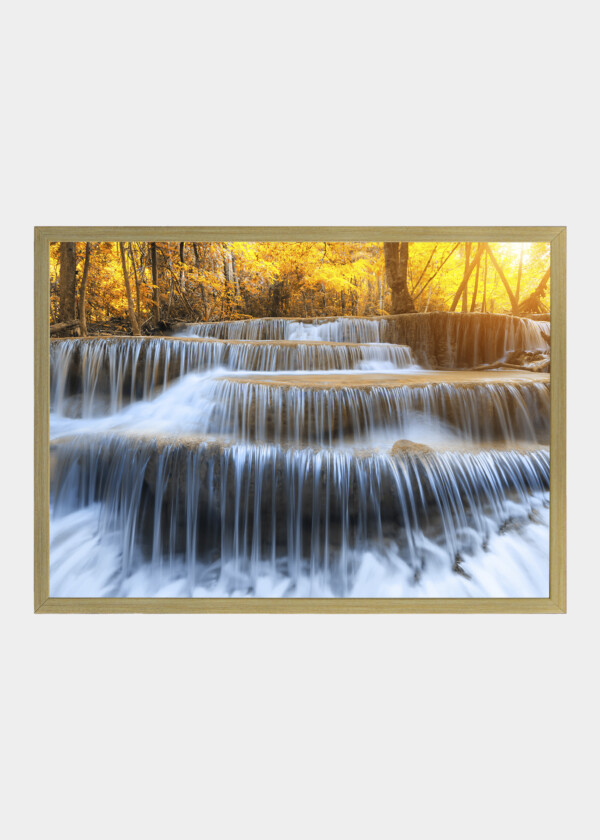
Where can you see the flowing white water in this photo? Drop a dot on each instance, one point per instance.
(248, 411)
(362, 330)
(96, 376)
(87, 562)
(441, 339)
(215, 404)
(185, 468)
(343, 329)
(293, 513)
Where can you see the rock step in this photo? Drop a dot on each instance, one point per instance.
(208, 500)
(194, 339)
(414, 379)
(444, 340)
(133, 368)
(322, 410)
(217, 445)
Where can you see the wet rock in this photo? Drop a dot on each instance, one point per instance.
(409, 447)
(448, 340)
(206, 496)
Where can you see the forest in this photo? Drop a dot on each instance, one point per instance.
(143, 287)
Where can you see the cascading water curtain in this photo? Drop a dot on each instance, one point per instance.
(293, 458)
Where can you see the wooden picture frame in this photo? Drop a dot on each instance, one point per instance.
(555, 603)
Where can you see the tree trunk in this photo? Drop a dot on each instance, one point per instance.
(68, 280)
(484, 301)
(55, 328)
(396, 275)
(502, 276)
(533, 303)
(227, 283)
(83, 291)
(465, 294)
(171, 281)
(182, 268)
(135, 329)
(475, 288)
(467, 273)
(422, 275)
(276, 295)
(155, 297)
(435, 273)
(137, 283)
(236, 282)
(519, 275)
(200, 283)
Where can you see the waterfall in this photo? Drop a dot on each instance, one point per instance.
(361, 330)
(281, 457)
(479, 412)
(114, 372)
(268, 509)
(439, 339)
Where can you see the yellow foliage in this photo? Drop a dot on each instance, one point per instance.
(217, 280)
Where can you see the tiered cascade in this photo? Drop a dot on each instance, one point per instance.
(286, 458)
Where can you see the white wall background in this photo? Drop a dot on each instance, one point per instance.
(309, 113)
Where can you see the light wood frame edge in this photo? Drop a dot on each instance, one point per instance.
(556, 603)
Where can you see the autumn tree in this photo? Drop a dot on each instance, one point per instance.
(155, 290)
(135, 329)
(533, 303)
(68, 281)
(207, 281)
(468, 270)
(396, 275)
(83, 290)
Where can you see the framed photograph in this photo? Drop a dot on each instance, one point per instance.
(300, 419)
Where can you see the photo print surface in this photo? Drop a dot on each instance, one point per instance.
(299, 419)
